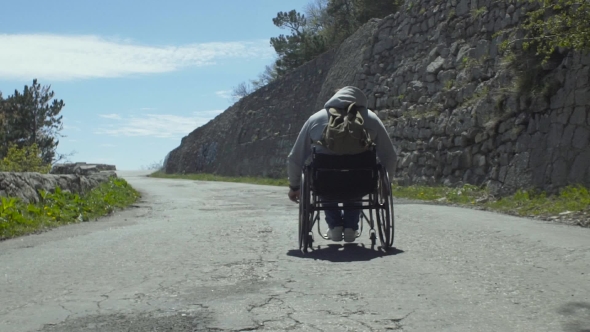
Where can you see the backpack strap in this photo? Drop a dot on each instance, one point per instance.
(336, 112)
(351, 112)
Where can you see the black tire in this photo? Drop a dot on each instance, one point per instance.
(305, 215)
(301, 224)
(385, 220)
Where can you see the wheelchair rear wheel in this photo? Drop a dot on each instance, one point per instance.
(305, 215)
(385, 220)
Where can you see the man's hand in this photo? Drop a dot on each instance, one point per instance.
(294, 195)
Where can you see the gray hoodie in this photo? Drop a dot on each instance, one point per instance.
(313, 128)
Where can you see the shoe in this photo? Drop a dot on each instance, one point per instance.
(335, 234)
(350, 235)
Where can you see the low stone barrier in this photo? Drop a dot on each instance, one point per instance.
(76, 178)
(81, 168)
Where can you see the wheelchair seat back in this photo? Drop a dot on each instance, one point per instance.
(344, 177)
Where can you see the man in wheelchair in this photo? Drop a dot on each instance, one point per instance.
(345, 132)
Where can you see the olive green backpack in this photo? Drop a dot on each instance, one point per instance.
(345, 132)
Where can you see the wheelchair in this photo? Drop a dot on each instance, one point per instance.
(343, 179)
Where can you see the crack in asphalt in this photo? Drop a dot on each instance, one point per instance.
(275, 299)
(265, 303)
(9, 310)
(66, 309)
(348, 315)
(98, 303)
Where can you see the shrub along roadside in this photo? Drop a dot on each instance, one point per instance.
(571, 205)
(24, 159)
(60, 208)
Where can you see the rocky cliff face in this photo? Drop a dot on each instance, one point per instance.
(453, 103)
(255, 135)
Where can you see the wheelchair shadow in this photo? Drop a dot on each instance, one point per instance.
(350, 252)
(577, 316)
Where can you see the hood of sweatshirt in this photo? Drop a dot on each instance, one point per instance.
(346, 96)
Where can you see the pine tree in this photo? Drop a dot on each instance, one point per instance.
(32, 117)
(297, 48)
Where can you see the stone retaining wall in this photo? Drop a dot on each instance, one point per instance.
(453, 106)
(449, 96)
(25, 185)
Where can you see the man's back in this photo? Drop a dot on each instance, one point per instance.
(319, 120)
(312, 130)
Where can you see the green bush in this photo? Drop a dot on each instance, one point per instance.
(571, 198)
(24, 159)
(522, 202)
(62, 207)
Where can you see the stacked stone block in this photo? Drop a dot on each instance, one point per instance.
(438, 79)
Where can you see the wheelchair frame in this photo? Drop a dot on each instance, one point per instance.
(379, 200)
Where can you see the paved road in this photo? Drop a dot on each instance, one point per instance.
(204, 256)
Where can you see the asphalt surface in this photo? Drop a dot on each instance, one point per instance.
(211, 256)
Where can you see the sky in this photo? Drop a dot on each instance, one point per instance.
(136, 76)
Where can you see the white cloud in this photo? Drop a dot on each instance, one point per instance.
(225, 94)
(158, 125)
(74, 128)
(63, 57)
(110, 116)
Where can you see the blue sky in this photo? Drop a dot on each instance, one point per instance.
(136, 76)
